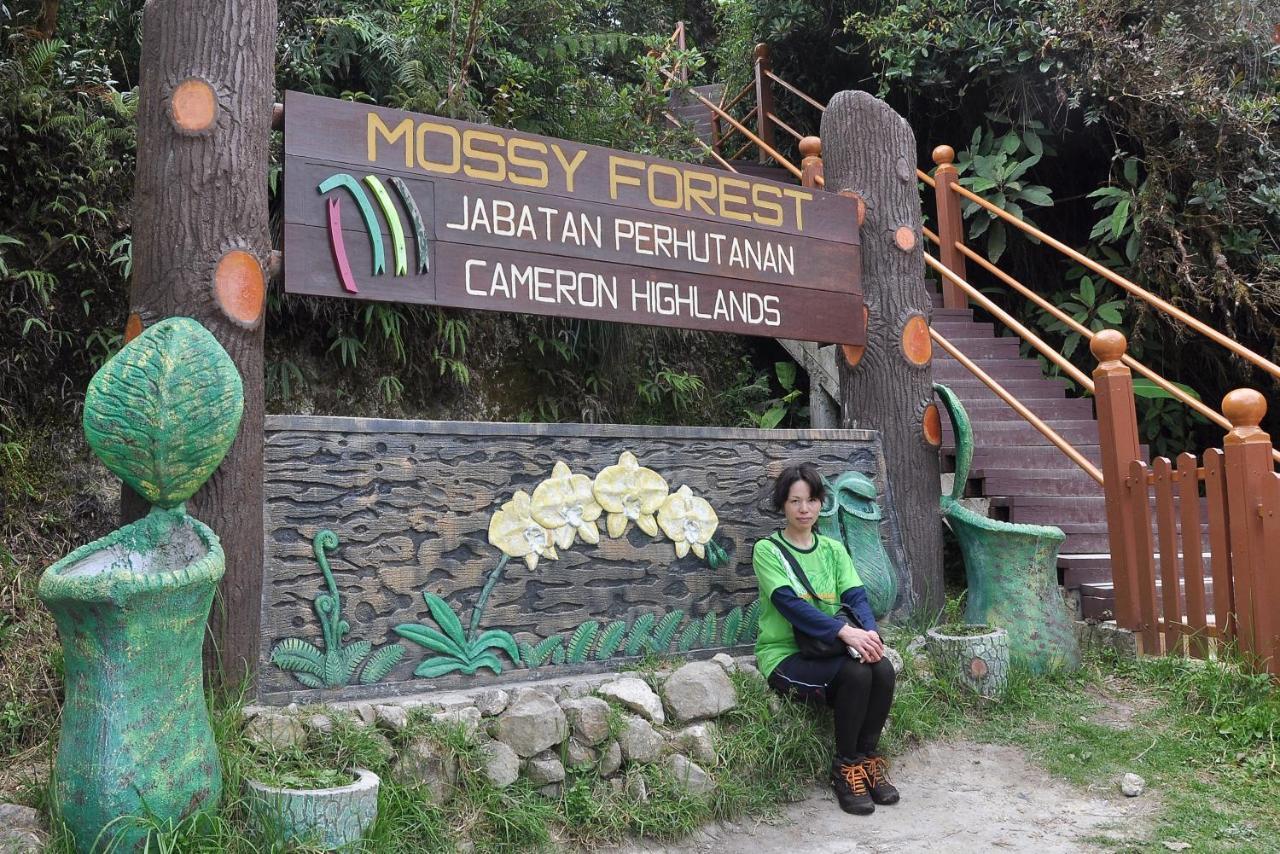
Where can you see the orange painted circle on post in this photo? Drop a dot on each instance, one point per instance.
(916, 345)
(862, 206)
(853, 352)
(905, 237)
(239, 287)
(193, 106)
(931, 425)
(132, 328)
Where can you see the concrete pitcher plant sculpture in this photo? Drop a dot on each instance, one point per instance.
(131, 607)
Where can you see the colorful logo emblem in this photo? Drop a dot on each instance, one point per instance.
(340, 261)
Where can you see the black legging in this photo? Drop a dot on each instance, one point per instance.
(860, 695)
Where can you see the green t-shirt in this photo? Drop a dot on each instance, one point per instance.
(829, 570)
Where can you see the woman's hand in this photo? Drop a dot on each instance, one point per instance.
(868, 644)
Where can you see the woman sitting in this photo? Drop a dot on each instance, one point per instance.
(858, 685)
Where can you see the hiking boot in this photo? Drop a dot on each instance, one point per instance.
(877, 772)
(852, 786)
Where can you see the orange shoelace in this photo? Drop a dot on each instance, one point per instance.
(856, 777)
(877, 769)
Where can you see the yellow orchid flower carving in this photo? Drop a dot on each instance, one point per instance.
(628, 492)
(513, 530)
(565, 505)
(688, 520)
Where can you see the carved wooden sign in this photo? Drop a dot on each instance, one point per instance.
(388, 205)
(405, 556)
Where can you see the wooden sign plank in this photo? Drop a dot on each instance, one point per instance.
(387, 205)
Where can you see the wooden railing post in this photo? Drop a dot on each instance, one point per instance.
(950, 224)
(684, 72)
(1118, 435)
(810, 161)
(1247, 460)
(764, 100)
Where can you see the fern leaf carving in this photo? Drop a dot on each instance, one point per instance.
(580, 641)
(610, 640)
(383, 661)
(665, 631)
(638, 639)
(690, 636)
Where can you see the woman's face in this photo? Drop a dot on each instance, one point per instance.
(801, 508)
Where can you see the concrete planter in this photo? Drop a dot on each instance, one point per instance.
(978, 656)
(328, 818)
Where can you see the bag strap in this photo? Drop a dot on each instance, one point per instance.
(795, 567)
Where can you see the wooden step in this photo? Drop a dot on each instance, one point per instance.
(944, 370)
(1024, 390)
(1070, 407)
(978, 348)
(1006, 432)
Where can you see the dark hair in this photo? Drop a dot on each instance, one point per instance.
(807, 472)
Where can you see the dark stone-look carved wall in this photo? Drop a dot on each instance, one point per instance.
(411, 501)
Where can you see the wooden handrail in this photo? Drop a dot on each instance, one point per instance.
(794, 91)
(1138, 291)
(736, 98)
(782, 161)
(737, 155)
(927, 178)
(1070, 322)
(731, 131)
(1017, 406)
(788, 128)
(667, 115)
(1133, 364)
(1008, 320)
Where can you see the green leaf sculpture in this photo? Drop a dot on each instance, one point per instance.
(164, 411)
(457, 650)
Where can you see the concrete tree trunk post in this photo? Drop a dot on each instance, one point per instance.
(869, 152)
(200, 249)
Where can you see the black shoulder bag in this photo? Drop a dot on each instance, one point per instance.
(810, 646)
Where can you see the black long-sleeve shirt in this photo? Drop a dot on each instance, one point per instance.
(815, 623)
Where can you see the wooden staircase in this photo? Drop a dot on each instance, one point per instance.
(1025, 478)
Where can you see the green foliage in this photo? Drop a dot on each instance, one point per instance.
(995, 167)
(456, 651)
(66, 163)
(752, 392)
(164, 411)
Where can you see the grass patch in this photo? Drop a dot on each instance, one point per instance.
(1205, 737)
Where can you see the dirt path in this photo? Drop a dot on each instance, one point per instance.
(958, 798)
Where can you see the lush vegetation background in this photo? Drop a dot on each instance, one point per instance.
(1145, 131)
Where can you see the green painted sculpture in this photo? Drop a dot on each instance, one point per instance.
(1011, 569)
(337, 664)
(851, 515)
(131, 607)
